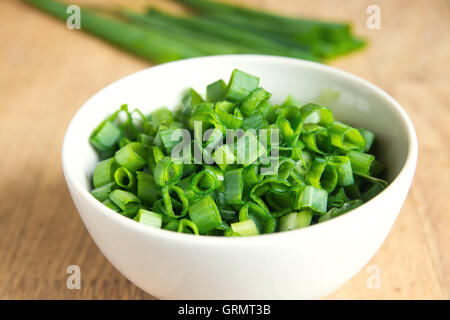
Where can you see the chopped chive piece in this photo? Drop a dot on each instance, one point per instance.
(241, 85)
(216, 91)
(174, 208)
(149, 218)
(204, 182)
(295, 220)
(168, 171)
(243, 228)
(343, 169)
(345, 137)
(230, 116)
(308, 197)
(346, 207)
(322, 175)
(111, 205)
(124, 178)
(187, 226)
(104, 172)
(205, 215)
(234, 186)
(361, 162)
(102, 193)
(316, 114)
(126, 201)
(264, 220)
(105, 136)
(369, 136)
(132, 156)
(147, 190)
(254, 100)
(255, 121)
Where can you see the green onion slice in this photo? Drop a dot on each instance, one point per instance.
(168, 171)
(171, 204)
(205, 215)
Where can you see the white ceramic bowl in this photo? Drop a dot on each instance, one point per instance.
(301, 264)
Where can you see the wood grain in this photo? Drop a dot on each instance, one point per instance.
(48, 71)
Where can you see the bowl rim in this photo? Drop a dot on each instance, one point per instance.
(407, 169)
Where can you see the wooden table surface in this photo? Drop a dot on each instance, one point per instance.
(47, 72)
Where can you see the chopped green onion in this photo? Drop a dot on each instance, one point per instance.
(343, 169)
(111, 205)
(126, 201)
(361, 162)
(204, 182)
(104, 172)
(295, 220)
(105, 136)
(187, 226)
(124, 178)
(254, 100)
(322, 175)
(132, 156)
(171, 203)
(234, 186)
(316, 114)
(146, 187)
(216, 91)
(205, 215)
(102, 193)
(369, 136)
(345, 137)
(168, 171)
(155, 154)
(230, 116)
(149, 218)
(243, 228)
(316, 139)
(308, 197)
(264, 220)
(241, 85)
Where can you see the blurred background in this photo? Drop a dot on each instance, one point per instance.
(48, 70)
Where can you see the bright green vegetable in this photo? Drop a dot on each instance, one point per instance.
(295, 220)
(241, 85)
(124, 178)
(149, 218)
(104, 172)
(243, 228)
(205, 215)
(245, 183)
(234, 186)
(149, 44)
(132, 156)
(102, 193)
(126, 201)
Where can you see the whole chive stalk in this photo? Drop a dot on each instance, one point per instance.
(198, 40)
(328, 39)
(146, 43)
(238, 36)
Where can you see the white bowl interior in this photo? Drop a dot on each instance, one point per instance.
(359, 103)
